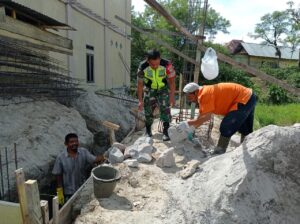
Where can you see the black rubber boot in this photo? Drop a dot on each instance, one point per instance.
(148, 132)
(165, 132)
(222, 145)
(242, 138)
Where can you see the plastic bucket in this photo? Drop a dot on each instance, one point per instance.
(105, 180)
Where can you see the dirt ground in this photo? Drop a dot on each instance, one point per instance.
(256, 182)
(144, 194)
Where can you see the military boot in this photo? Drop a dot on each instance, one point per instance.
(148, 132)
(165, 132)
(222, 145)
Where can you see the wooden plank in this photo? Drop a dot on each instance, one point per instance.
(155, 5)
(110, 125)
(159, 41)
(33, 202)
(112, 136)
(13, 14)
(259, 74)
(65, 213)
(10, 213)
(180, 87)
(198, 57)
(20, 182)
(55, 210)
(45, 211)
(2, 14)
(199, 44)
(27, 30)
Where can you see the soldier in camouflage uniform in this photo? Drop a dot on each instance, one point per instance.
(156, 81)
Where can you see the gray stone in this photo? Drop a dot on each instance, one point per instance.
(166, 159)
(132, 163)
(119, 146)
(145, 148)
(143, 139)
(190, 169)
(131, 152)
(144, 158)
(115, 155)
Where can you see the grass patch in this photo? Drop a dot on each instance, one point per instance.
(281, 115)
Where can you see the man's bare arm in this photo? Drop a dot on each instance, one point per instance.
(172, 87)
(200, 120)
(59, 179)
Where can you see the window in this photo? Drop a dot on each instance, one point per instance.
(90, 64)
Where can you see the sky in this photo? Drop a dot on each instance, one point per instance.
(242, 14)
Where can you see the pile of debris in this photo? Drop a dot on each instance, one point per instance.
(257, 182)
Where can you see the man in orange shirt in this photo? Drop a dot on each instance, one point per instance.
(233, 101)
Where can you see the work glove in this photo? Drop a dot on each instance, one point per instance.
(190, 136)
(60, 195)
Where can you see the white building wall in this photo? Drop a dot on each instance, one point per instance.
(109, 71)
(93, 36)
(117, 75)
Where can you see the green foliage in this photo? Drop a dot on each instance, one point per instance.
(150, 19)
(261, 93)
(293, 36)
(138, 46)
(272, 27)
(289, 74)
(294, 79)
(189, 18)
(281, 115)
(218, 48)
(214, 23)
(277, 95)
(229, 74)
(280, 28)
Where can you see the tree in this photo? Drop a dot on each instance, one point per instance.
(190, 19)
(294, 14)
(138, 43)
(215, 23)
(280, 28)
(293, 37)
(151, 20)
(272, 29)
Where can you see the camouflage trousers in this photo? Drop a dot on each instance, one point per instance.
(156, 98)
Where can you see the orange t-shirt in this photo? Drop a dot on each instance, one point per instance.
(222, 98)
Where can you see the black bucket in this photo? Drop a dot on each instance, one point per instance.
(105, 180)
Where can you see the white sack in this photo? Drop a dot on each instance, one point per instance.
(209, 65)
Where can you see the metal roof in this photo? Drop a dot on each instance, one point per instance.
(261, 50)
(31, 14)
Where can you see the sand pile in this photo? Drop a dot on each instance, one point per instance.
(257, 182)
